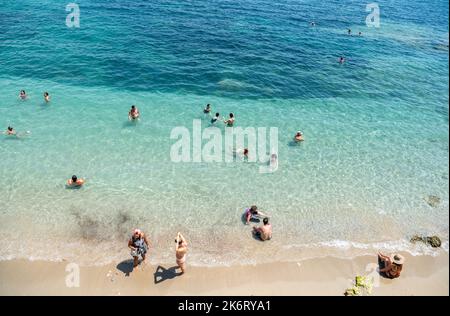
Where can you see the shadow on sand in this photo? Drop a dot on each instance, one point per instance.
(161, 274)
(126, 266)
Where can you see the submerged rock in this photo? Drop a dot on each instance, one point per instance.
(433, 200)
(433, 241)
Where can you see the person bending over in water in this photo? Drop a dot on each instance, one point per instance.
(230, 120)
(263, 232)
(298, 137)
(10, 131)
(215, 118)
(207, 110)
(134, 113)
(22, 94)
(391, 266)
(139, 245)
(180, 252)
(75, 182)
(253, 212)
(46, 97)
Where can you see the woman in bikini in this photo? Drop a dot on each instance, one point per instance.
(180, 252)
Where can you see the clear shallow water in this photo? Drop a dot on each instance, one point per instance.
(376, 128)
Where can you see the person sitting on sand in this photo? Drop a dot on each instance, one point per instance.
(391, 266)
(263, 232)
(253, 212)
(207, 110)
(75, 182)
(46, 97)
(134, 113)
(230, 120)
(22, 94)
(298, 137)
(215, 118)
(139, 245)
(10, 131)
(180, 252)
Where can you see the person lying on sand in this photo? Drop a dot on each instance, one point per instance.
(391, 266)
(134, 113)
(180, 252)
(263, 232)
(139, 245)
(75, 182)
(253, 212)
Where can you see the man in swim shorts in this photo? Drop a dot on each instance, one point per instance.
(139, 245)
(75, 182)
(180, 252)
(46, 97)
(10, 131)
(263, 232)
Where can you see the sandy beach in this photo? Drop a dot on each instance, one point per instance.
(422, 275)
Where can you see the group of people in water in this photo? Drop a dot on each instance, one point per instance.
(23, 96)
(214, 119)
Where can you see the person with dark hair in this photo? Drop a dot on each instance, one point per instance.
(263, 232)
(298, 137)
(46, 97)
(230, 120)
(22, 94)
(215, 118)
(207, 110)
(253, 212)
(10, 131)
(134, 113)
(180, 252)
(75, 182)
(349, 31)
(341, 59)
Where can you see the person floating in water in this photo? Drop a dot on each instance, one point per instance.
(23, 95)
(391, 266)
(10, 131)
(263, 232)
(46, 97)
(349, 31)
(134, 113)
(215, 118)
(359, 34)
(180, 252)
(207, 110)
(230, 120)
(341, 60)
(139, 245)
(253, 212)
(313, 23)
(75, 182)
(298, 137)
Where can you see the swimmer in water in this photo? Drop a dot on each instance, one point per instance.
(230, 120)
(134, 113)
(298, 137)
(215, 118)
(46, 97)
(75, 182)
(341, 60)
(349, 31)
(10, 131)
(253, 211)
(313, 23)
(207, 110)
(359, 34)
(263, 232)
(22, 95)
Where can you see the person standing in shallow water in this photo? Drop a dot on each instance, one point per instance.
(46, 97)
(180, 252)
(263, 232)
(230, 121)
(133, 114)
(139, 245)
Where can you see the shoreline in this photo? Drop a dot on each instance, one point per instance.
(422, 275)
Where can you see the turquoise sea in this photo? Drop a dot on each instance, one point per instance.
(376, 127)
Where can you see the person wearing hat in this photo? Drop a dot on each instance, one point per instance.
(392, 265)
(138, 244)
(298, 137)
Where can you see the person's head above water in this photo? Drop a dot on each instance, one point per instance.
(10, 128)
(133, 107)
(231, 115)
(208, 106)
(299, 133)
(253, 209)
(74, 178)
(46, 94)
(217, 114)
(266, 220)
(245, 151)
(22, 91)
